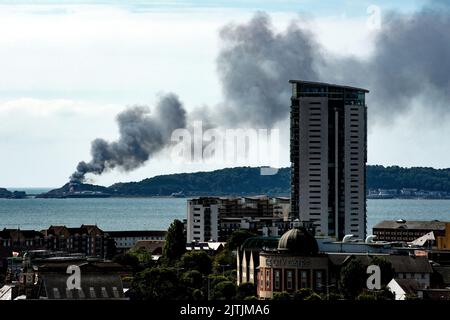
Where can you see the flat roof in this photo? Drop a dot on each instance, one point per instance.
(413, 225)
(324, 84)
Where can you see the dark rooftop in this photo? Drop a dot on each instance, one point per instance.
(137, 233)
(400, 263)
(410, 286)
(324, 84)
(414, 225)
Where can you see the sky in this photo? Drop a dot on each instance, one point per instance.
(69, 67)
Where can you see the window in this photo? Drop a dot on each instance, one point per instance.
(303, 279)
(289, 279)
(261, 281)
(319, 280)
(268, 279)
(277, 279)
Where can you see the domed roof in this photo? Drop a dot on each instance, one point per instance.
(298, 241)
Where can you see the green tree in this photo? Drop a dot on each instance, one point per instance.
(196, 260)
(386, 269)
(313, 297)
(237, 238)
(224, 290)
(198, 295)
(352, 278)
(334, 296)
(144, 257)
(175, 244)
(302, 294)
(411, 296)
(215, 279)
(224, 258)
(245, 290)
(158, 284)
(192, 279)
(127, 259)
(383, 294)
(281, 296)
(366, 296)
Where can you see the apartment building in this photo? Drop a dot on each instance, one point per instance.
(328, 157)
(215, 218)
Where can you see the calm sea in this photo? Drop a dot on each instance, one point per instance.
(158, 213)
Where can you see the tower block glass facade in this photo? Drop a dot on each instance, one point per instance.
(328, 157)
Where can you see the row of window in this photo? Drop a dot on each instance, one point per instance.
(291, 279)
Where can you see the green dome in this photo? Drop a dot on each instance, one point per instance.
(298, 241)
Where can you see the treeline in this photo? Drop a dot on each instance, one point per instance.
(229, 181)
(422, 178)
(249, 181)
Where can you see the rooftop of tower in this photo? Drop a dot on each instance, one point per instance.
(329, 85)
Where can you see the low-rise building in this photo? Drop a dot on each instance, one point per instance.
(216, 218)
(154, 247)
(299, 260)
(203, 219)
(125, 240)
(408, 231)
(46, 275)
(404, 288)
(86, 239)
(211, 247)
(296, 264)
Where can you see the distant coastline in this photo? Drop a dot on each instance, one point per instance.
(382, 183)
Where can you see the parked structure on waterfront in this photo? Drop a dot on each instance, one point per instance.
(328, 157)
(408, 231)
(216, 218)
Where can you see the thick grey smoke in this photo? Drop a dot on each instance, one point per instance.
(411, 60)
(254, 67)
(142, 134)
(410, 63)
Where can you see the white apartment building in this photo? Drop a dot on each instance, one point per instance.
(203, 219)
(328, 157)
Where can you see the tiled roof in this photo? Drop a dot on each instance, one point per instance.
(409, 286)
(93, 287)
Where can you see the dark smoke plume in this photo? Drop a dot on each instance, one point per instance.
(142, 134)
(254, 66)
(411, 60)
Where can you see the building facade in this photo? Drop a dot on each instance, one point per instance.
(203, 219)
(216, 218)
(408, 231)
(328, 157)
(295, 264)
(86, 239)
(125, 240)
